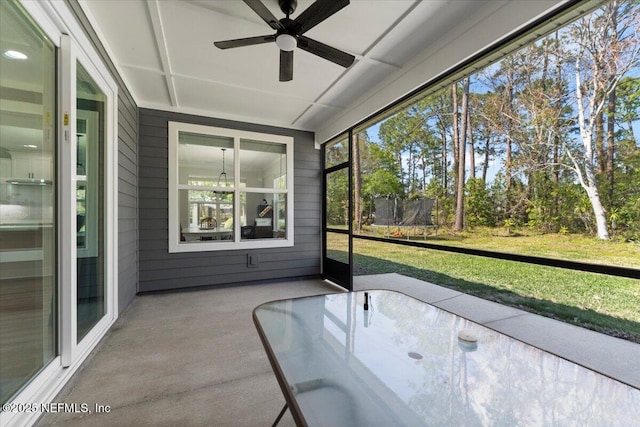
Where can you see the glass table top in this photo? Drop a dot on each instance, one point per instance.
(405, 362)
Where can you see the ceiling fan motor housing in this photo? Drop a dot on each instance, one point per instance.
(285, 26)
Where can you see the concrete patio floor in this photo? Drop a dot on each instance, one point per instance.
(194, 358)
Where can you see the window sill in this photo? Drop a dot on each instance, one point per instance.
(216, 246)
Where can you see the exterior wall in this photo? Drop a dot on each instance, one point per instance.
(127, 173)
(160, 270)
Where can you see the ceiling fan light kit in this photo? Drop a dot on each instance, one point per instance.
(286, 42)
(289, 33)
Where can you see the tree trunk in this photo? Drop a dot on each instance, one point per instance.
(455, 143)
(596, 204)
(586, 134)
(400, 168)
(611, 110)
(357, 184)
(556, 173)
(456, 134)
(485, 165)
(443, 168)
(556, 138)
(632, 135)
(459, 218)
(600, 152)
(472, 149)
(611, 144)
(411, 178)
(424, 171)
(509, 141)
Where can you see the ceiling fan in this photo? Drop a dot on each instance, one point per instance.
(289, 33)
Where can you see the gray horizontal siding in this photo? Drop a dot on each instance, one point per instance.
(127, 172)
(161, 270)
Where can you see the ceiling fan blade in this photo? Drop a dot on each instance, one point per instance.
(324, 51)
(264, 13)
(316, 13)
(286, 66)
(227, 44)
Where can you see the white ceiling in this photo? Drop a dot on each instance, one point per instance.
(165, 53)
(164, 50)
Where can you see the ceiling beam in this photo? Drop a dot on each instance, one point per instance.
(158, 31)
(372, 60)
(254, 89)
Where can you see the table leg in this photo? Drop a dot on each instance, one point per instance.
(284, 409)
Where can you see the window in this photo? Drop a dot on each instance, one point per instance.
(229, 189)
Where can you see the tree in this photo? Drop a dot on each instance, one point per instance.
(606, 45)
(504, 81)
(379, 175)
(480, 210)
(628, 106)
(397, 134)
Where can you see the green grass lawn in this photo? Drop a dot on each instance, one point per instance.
(603, 303)
(573, 247)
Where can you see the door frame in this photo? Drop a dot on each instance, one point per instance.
(334, 270)
(72, 53)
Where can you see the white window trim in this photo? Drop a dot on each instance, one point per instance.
(175, 246)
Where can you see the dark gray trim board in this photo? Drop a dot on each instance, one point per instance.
(161, 270)
(127, 171)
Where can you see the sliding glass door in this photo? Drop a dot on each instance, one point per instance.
(58, 200)
(28, 271)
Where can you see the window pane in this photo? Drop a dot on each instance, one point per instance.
(205, 160)
(338, 199)
(263, 164)
(28, 302)
(338, 247)
(90, 203)
(335, 153)
(206, 216)
(264, 215)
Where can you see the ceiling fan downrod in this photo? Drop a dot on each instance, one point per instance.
(288, 6)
